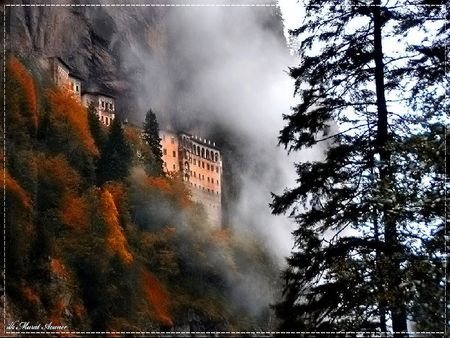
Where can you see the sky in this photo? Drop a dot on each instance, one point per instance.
(292, 13)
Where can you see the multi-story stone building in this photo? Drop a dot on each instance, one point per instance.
(199, 163)
(75, 85)
(63, 77)
(104, 105)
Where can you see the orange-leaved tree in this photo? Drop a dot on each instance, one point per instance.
(22, 103)
(65, 106)
(115, 235)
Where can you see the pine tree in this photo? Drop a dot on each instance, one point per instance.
(151, 137)
(115, 158)
(95, 127)
(360, 214)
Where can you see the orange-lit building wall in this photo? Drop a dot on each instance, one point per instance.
(170, 148)
(199, 163)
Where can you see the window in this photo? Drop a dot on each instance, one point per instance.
(172, 140)
(103, 104)
(174, 153)
(165, 151)
(165, 165)
(174, 167)
(203, 165)
(212, 167)
(208, 179)
(207, 166)
(195, 161)
(217, 169)
(207, 154)
(199, 163)
(217, 157)
(195, 175)
(203, 177)
(203, 152)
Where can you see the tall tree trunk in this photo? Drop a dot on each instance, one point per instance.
(392, 249)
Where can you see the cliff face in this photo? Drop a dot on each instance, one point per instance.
(151, 56)
(91, 40)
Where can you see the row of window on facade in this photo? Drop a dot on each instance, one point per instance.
(75, 87)
(212, 191)
(201, 151)
(197, 150)
(105, 119)
(107, 105)
(202, 177)
(165, 166)
(201, 164)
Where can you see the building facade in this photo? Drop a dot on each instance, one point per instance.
(75, 85)
(104, 105)
(63, 77)
(60, 72)
(198, 161)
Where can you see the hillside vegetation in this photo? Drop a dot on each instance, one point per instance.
(95, 243)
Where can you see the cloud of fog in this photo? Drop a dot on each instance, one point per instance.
(223, 70)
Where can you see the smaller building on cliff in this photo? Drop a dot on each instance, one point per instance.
(199, 162)
(103, 103)
(64, 77)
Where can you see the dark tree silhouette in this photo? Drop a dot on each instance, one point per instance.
(360, 211)
(115, 158)
(154, 164)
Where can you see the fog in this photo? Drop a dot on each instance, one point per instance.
(221, 74)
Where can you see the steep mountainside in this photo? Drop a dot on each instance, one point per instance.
(91, 40)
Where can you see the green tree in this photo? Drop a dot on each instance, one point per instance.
(95, 127)
(115, 157)
(154, 164)
(359, 211)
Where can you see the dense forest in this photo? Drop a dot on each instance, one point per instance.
(99, 239)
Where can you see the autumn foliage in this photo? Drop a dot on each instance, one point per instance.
(170, 187)
(157, 298)
(58, 170)
(126, 252)
(115, 235)
(67, 107)
(13, 187)
(74, 211)
(24, 79)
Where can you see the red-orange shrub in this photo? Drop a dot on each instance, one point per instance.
(59, 171)
(23, 77)
(14, 187)
(115, 237)
(157, 298)
(74, 211)
(66, 106)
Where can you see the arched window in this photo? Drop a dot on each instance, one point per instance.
(203, 152)
(216, 157)
(198, 150)
(207, 154)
